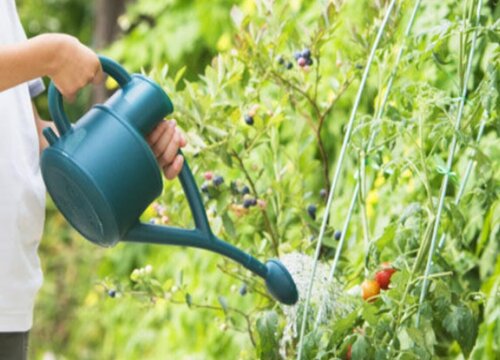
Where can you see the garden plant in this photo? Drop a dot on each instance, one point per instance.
(357, 141)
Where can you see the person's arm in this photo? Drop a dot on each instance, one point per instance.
(69, 64)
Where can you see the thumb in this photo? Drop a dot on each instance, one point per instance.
(99, 76)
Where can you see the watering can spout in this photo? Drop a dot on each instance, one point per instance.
(280, 283)
(278, 280)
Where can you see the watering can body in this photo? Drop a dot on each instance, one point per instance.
(100, 172)
(102, 175)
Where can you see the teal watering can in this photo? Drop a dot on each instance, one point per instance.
(102, 175)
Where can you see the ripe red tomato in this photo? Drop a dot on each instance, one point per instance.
(383, 277)
(370, 288)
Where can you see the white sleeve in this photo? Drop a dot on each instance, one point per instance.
(36, 86)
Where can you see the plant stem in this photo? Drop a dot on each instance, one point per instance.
(362, 199)
(227, 309)
(437, 275)
(420, 146)
(468, 171)
(291, 85)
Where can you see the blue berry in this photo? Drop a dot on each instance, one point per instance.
(243, 290)
(204, 188)
(253, 202)
(247, 203)
(245, 190)
(297, 55)
(112, 293)
(337, 235)
(309, 61)
(306, 53)
(249, 119)
(281, 61)
(311, 210)
(289, 65)
(218, 180)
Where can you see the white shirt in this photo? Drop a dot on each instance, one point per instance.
(22, 192)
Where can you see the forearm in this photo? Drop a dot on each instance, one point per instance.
(27, 60)
(69, 64)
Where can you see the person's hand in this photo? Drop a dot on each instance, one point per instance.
(165, 141)
(72, 65)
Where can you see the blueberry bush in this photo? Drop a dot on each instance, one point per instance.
(265, 123)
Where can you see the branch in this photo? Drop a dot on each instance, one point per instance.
(227, 309)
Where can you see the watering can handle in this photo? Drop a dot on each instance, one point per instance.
(112, 68)
(194, 199)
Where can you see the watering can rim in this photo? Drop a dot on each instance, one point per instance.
(167, 101)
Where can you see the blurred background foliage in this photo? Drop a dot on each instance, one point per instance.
(187, 304)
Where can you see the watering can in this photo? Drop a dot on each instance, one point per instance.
(102, 175)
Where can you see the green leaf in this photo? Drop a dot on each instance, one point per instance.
(312, 344)
(487, 344)
(405, 340)
(343, 326)
(485, 231)
(228, 225)
(461, 324)
(267, 328)
(370, 313)
(179, 75)
(222, 302)
(386, 237)
(417, 336)
(223, 196)
(412, 209)
(189, 299)
(361, 349)
(237, 16)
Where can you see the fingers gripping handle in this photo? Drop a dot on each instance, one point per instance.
(56, 108)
